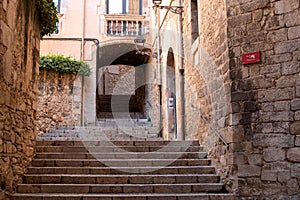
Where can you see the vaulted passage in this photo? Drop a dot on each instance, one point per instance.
(120, 81)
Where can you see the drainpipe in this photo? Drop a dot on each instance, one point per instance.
(181, 123)
(94, 40)
(83, 30)
(159, 76)
(82, 58)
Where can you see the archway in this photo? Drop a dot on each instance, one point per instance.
(116, 62)
(170, 95)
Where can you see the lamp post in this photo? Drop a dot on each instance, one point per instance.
(180, 124)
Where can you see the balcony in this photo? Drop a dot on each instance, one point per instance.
(124, 25)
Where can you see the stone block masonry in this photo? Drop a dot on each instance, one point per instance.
(19, 61)
(207, 71)
(56, 102)
(255, 107)
(271, 124)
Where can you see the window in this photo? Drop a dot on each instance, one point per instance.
(194, 19)
(124, 7)
(117, 7)
(57, 5)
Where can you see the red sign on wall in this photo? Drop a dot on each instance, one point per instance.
(249, 58)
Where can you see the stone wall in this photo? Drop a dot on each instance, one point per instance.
(207, 83)
(254, 108)
(207, 87)
(19, 60)
(113, 80)
(56, 104)
(265, 96)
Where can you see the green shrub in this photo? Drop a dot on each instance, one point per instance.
(65, 65)
(47, 15)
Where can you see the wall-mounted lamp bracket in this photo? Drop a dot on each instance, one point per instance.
(173, 9)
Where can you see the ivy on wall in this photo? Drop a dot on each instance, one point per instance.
(65, 65)
(47, 15)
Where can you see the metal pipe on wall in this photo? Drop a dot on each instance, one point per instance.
(82, 59)
(83, 30)
(181, 118)
(159, 70)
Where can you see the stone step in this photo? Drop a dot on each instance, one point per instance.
(120, 188)
(116, 116)
(207, 170)
(150, 137)
(117, 134)
(117, 162)
(102, 134)
(67, 168)
(141, 116)
(121, 196)
(66, 127)
(112, 128)
(139, 123)
(122, 155)
(118, 143)
(98, 149)
(119, 178)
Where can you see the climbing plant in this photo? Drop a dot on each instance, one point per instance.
(47, 14)
(65, 65)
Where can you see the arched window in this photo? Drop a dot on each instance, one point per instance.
(124, 7)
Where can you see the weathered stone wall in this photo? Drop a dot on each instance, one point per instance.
(265, 96)
(258, 113)
(117, 80)
(207, 87)
(207, 83)
(19, 60)
(56, 104)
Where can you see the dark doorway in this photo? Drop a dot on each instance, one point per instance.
(120, 85)
(171, 94)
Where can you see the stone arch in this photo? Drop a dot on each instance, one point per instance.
(117, 59)
(111, 50)
(169, 96)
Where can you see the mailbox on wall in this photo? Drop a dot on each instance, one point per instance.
(171, 103)
(249, 58)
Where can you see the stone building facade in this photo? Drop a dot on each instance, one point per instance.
(265, 96)
(248, 114)
(19, 61)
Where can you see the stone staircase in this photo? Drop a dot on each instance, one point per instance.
(122, 105)
(69, 166)
(106, 130)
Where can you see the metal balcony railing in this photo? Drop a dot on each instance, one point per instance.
(124, 25)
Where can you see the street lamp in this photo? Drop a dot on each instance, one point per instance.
(140, 41)
(157, 2)
(173, 9)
